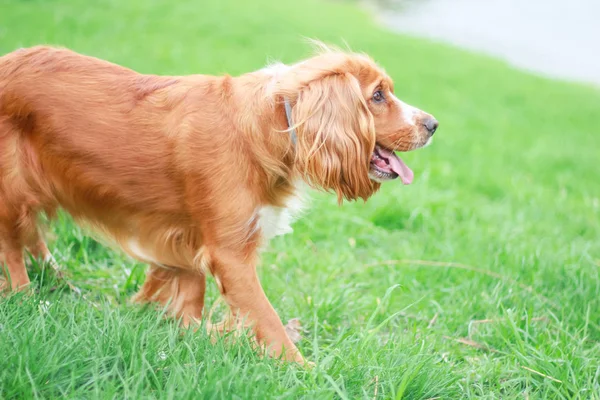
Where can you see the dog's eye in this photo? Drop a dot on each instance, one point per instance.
(378, 96)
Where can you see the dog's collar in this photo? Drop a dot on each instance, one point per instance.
(288, 115)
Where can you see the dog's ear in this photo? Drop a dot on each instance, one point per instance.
(336, 136)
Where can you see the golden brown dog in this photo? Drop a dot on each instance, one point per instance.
(190, 174)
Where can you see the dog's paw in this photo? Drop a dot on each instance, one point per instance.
(7, 290)
(293, 328)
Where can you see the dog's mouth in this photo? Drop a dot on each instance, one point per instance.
(386, 165)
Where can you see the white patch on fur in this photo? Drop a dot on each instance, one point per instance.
(49, 258)
(141, 254)
(275, 70)
(218, 282)
(409, 113)
(276, 221)
(202, 261)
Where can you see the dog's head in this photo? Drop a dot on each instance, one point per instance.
(349, 123)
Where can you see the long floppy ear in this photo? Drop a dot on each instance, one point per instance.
(336, 136)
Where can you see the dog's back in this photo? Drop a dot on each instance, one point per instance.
(64, 115)
(86, 135)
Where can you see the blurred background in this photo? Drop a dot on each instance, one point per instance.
(553, 37)
(479, 280)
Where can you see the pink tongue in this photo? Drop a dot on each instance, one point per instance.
(398, 166)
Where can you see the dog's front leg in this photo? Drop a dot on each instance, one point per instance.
(241, 289)
(226, 214)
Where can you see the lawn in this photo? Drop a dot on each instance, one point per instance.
(480, 280)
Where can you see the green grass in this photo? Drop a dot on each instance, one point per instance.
(495, 291)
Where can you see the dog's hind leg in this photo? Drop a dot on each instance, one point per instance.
(16, 208)
(14, 269)
(12, 263)
(180, 290)
(39, 250)
(36, 246)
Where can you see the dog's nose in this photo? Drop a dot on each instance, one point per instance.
(431, 125)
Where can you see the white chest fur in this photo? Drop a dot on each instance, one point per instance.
(275, 221)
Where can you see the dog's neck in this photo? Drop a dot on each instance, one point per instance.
(264, 123)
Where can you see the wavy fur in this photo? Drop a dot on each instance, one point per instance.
(177, 171)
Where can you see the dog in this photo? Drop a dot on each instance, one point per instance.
(192, 174)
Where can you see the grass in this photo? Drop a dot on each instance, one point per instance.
(480, 280)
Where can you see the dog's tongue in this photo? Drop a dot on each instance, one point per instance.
(398, 166)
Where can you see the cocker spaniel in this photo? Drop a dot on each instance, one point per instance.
(191, 174)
